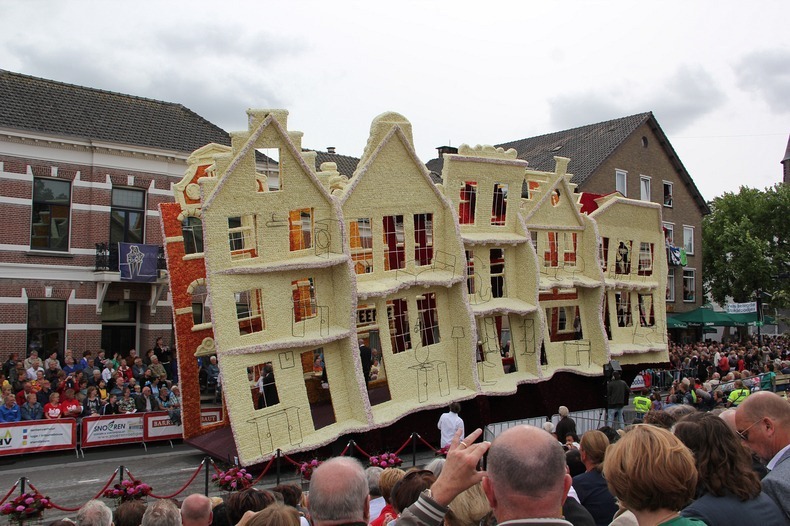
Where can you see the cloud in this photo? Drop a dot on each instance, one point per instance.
(678, 101)
(766, 73)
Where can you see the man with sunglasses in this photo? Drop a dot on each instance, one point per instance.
(763, 422)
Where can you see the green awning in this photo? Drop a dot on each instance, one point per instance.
(705, 317)
(750, 319)
(673, 323)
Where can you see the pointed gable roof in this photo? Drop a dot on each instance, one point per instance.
(46, 106)
(589, 146)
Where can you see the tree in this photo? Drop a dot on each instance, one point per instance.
(745, 245)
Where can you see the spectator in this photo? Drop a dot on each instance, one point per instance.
(469, 508)
(130, 359)
(376, 500)
(162, 512)
(389, 477)
(35, 366)
(763, 421)
(174, 405)
(339, 493)
(53, 410)
(590, 486)
(449, 423)
(43, 395)
(31, 409)
(70, 406)
(9, 411)
(250, 499)
(292, 496)
(52, 359)
(129, 513)
(138, 370)
(567, 425)
(94, 513)
(212, 371)
(658, 497)
(91, 406)
(512, 495)
(32, 357)
(196, 511)
(10, 364)
(573, 458)
(111, 407)
(435, 466)
(100, 362)
(156, 368)
(146, 403)
(276, 515)
(127, 404)
(26, 389)
(408, 489)
(728, 490)
(767, 380)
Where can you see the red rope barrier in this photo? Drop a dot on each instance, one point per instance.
(408, 441)
(361, 450)
(345, 450)
(99, 494)
(427, 444)
(265, 470)
(10, 491)
(292, 461)
(194, 475)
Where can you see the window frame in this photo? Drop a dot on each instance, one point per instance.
(126, 211)
(670, 294)
(668, 184)
(196, 240)
(361, 241)
(669, 227)
(50, 204)
(692, 276)
(617, 175)
(686, 245)
(45, 328)
(645, 189)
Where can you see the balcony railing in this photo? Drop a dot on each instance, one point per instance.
(107, 258)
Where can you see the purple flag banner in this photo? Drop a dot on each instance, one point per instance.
(137, 262)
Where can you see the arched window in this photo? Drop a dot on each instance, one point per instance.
(192, 230)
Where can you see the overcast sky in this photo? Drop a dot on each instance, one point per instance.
(716, 74)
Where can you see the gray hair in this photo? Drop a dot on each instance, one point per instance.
(338, 491)
(542, 461)
(163, 512)
(563, 411)
(94, 513)
(374, 474)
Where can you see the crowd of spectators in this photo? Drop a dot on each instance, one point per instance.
(88, 385)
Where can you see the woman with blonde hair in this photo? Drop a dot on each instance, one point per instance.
(275, 515)
(590, 486)
(653, 475)
(387, 480)
(468, 508)
(728, 489)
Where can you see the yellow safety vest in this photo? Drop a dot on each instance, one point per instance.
(642, 404)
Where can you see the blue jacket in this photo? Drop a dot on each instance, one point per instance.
(10, 414)
(32, 413)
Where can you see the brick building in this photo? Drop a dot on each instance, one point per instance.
(82, 169)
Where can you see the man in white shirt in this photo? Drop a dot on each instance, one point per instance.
(449, 423)
(763, 422)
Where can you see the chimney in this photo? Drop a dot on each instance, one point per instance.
(446, 149)
(330, 149)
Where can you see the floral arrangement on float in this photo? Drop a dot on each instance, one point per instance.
(25, 507)
(234, 479)
(385, 460)
(126, 490)
(305, 469)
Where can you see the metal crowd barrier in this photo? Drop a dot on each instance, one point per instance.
(491, 431)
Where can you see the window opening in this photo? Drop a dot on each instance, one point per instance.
(267, 170)
(394, 250)
(398, 319)
(303, 295)
(192, 232)
(264, 391)
(499, 205)
(51, 211)
(623, 302)
(423, 239)
(645, 259)
(497, 260)
(468, 203)
(623, 257)
(470, 272)
(668, 194)
(361, 234)
(646, 313)
(689, 285)
(603, 253)
(249, 311)
(300, 227)
(429, 320)
(243, 237)
(127, 215)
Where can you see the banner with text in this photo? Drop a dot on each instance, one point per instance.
(115, 429)
(34, 436)
(741, 308)
(159, 427)
(210, 416)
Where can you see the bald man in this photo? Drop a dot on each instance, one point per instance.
(763, 422)
(196, 511)
(526, 478)
(339, 493)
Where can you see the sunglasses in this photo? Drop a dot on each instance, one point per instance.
(745, 433)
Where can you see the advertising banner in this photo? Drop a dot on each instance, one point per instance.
(115, 429)
(210, 416)
(159, 427)
(39, 435)
(138, 262)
